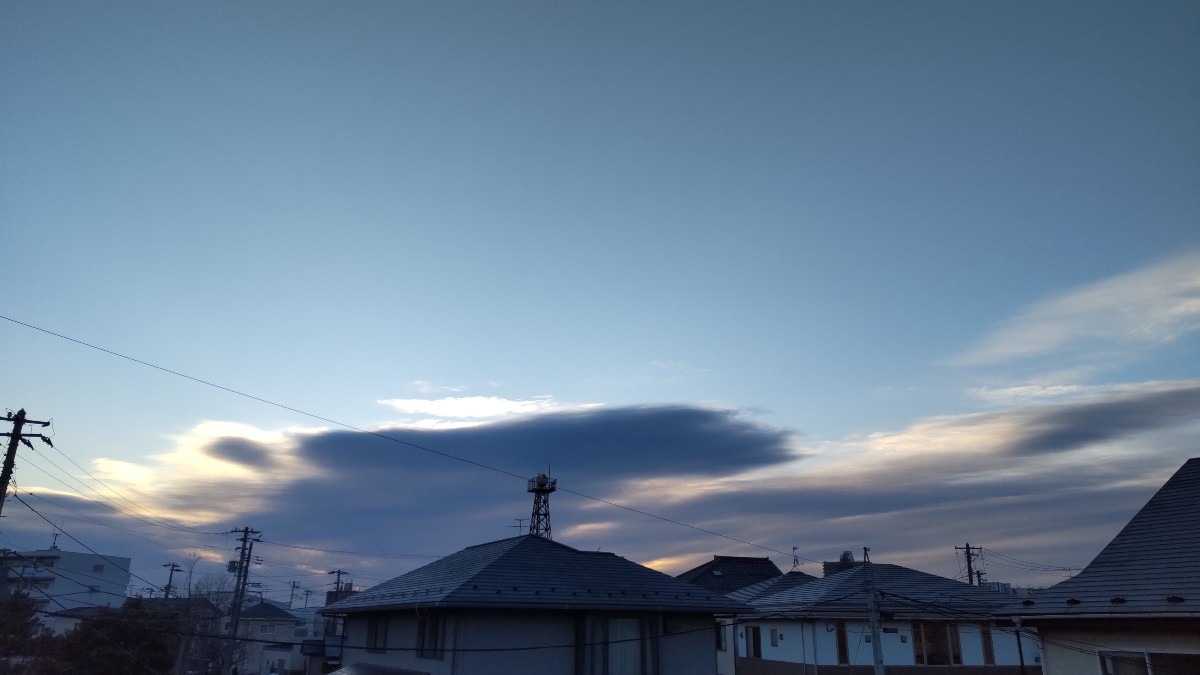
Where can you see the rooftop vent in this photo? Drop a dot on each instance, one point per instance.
(1174, 599)
(1073, 601)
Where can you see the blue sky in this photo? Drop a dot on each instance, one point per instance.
(821, 275)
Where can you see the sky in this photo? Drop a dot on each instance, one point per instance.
(742, 277)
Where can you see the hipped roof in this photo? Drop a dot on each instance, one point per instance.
(530, 572)
(903, 592)
(725, 574)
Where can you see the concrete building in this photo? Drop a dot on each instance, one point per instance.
(60, 580)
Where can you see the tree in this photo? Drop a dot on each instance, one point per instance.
(18, 623)
(127, 641)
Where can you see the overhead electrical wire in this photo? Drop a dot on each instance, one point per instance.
(17, 497)
(1072, 645)
(1017, 563)
(393, 439)
(166, 522)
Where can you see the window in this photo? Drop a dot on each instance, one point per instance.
(774, 637)
(623, 646)
(267, 629)
(936, 644)
(989, 652)
(429, 636)
(377, 626)
(1143, 663)
(843, 644)
(97, 569)
(754, 642)
(720, 637)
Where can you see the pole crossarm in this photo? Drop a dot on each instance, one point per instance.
(15, 438)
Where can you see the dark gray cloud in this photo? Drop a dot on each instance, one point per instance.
(241, 451)
(1067, 427)
(372, 483)
(617, 442)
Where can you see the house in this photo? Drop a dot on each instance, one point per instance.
(928, 624)
(1135, 609)
(270, 640)
(531, 605)
(59, 580)
(726, 573)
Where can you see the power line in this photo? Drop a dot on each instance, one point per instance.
(393, 439)
(166, 521)
(89, 548)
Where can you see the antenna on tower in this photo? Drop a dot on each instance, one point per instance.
(541, 486)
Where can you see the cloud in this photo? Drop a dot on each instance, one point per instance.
(473, 406)
(1043, 482)
(241, 451)
(1064, 428)
(427, 387)
(1154, 305)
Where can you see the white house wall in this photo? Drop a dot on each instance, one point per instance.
(815, 642)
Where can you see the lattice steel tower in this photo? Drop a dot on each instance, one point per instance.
(541, 486)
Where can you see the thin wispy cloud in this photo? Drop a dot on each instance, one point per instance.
(472, 407)
(1154, 305)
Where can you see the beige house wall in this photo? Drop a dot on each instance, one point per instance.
(1071, 647)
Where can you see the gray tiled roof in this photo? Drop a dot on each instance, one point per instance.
(530, 572)
(1152, 566)
(725, 574)
(779, 584)
(267, 611)
(904, 592)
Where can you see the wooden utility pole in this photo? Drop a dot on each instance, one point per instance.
(15, 437)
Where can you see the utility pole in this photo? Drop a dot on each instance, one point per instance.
(970, 552)
(292, 594)
(15, 437)
(872, 611)
(174, 567)
(307, 594)
(337, 584)
(241, 567)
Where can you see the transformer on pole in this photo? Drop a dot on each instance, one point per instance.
(541, 486)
